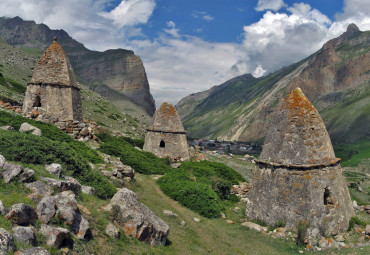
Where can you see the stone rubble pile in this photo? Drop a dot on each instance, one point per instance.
(241, 190)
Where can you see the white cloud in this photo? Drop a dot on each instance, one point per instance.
(202, 15)
(274, 5)
(178, 64)
(131, 12)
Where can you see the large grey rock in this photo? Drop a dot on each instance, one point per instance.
(57, 237)
(68, 211)
(40, 188)
(25, 234)
(2, 208)
(7, 128)
(46, 209)
(2, 161)
(6, 242)
(11, 171)
(55, 169)
(87, 190)
(136, 219)
(27, 127)
(22, 214)
(26, 175)
(112, 231)
(34, 251)
(63, 185)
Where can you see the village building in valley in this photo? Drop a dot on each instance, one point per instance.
(166, 136)
(53, 88)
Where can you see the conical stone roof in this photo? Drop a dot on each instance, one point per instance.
(54, 68)
(166, 119)
(298, 135)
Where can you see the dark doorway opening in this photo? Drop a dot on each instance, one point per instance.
(162, 144)
(328, 197)
(37, 102)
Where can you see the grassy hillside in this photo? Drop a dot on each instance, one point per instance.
(16, 68)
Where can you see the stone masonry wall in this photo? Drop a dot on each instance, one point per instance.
(59, 101)
(176, 146)
(319, 195)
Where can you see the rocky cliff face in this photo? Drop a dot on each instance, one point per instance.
(336, 79)
(118, 69)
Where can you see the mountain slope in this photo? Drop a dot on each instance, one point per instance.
(118, 69)
(336, 79)
(16, 67)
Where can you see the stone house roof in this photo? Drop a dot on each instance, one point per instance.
(166, 119)
(298, 136)
(54, 68)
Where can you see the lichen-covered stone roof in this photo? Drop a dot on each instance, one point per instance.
(54, 68)
(166, 119)
(298, 135)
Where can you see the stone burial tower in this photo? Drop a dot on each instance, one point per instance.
(298, 176)
(166, 136)
(53, 88)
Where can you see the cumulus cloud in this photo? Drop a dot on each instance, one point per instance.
(274, 5)
(172, 29)
(130, 12)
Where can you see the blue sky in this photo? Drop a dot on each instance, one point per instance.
(189, 46)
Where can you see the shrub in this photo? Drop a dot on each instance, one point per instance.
(143, 162)
(302, 228)
(32, 149)
(196, 196)
(355, 221)
(53, 133)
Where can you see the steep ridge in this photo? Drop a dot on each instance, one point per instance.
(118, 69)
(336, 79)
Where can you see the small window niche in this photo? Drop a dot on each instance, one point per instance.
(162, 144)
(328, 197)
(37, 102)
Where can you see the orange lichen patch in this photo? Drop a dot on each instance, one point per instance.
(166, 119)
(298, 102)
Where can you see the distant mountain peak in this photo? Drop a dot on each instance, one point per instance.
(352, 28)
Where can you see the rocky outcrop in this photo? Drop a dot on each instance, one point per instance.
(57, 237)
(34, 251)
(55, 169)
(6, 242)
(136, 219)
(22, 214)
(64, 185)
(25, 235)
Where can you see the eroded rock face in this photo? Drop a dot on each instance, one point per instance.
(6, 242)
(11, 171)
(298, 177)
(136, 219)
(46, 209)
(22, 214)
(63, 185)
(55, 169)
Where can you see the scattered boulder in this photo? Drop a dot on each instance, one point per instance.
(63, 185)
(26, 175)
(254, 226)
(22, 214)
(55, 169)
(2, 208)
(367, 230)
(7, 128)
(170, 213)
(40, 188)
(34, 251)
(6, 242)
(2, 161)
(57, 237)
(11, 171)
(46, 209)
(27, 127)
(82, 228)
(112, 231)
(25, 234)
(196, 219)
(136, 219)
(87, 190)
